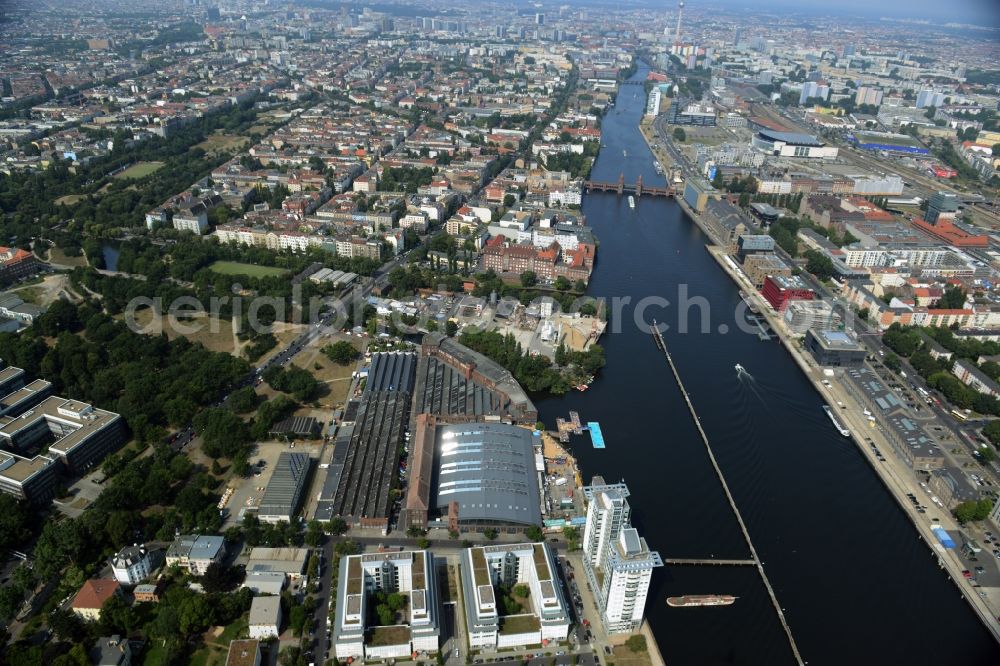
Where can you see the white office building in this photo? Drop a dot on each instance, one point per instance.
(565, 197)
(653, 102)
(618, 562)
(927, 98)
(541, 615)
(868, 95)
(812, 89)
(416, 627)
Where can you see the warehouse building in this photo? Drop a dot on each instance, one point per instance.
(284, 491)
(295, 426)
(269, 569)
(908, 438)
(473, 476)
(442, 389)
(290, 562)
(367, 463)
(747, 244)
(364, 467)
(791, 144)
(416, 626)
(696, 193)
(264, 620)
(487, 572)
(391, 371)
(481, 371)
(889, 142)
(447, 380)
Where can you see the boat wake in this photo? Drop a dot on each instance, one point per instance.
(748, 381)
(772, 397)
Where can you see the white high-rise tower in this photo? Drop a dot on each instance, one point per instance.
(607, 513)
(680, 14)
(617, 561)
(627, 572)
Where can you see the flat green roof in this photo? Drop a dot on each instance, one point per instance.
(480, 570)
(419, 581)
(355, 580)
(519, 624)
(394, 635)
(542, 563)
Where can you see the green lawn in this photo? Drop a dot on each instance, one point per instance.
(140, 170)
(155, 655)
(208, 656)
(220, 142)
(232, 632)
(237, 268)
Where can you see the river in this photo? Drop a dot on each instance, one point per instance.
(856, 583)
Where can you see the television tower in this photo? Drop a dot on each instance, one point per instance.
(680, 14)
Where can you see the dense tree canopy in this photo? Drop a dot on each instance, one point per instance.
(294, 380)
(534, 373)
(341, 352)
(150, 380)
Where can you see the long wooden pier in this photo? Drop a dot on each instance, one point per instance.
(658, 339)
(711, 560)
(621, 187)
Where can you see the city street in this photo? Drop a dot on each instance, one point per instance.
(323, 595)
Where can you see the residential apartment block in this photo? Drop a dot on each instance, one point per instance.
(417, 626)
(617, 561)
(488, 571)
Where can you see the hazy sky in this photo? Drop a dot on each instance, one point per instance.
(981, 12)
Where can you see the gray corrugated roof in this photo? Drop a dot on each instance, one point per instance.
(489, 469)
(792, 137)
(444, 390)
(391, 371)
(284, 490)
(296, 425)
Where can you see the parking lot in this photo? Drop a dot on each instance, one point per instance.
(248, 491)
(982, 568)
(81, 494)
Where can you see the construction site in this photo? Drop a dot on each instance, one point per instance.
(539, 326)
